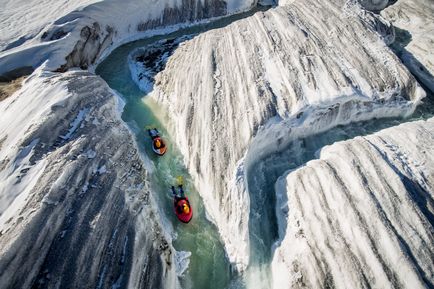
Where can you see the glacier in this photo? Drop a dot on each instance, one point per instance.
(79, 203)
(414, 23)
(296, 70)
(361, 215)
(74, 192)
(85, 31)
(77, 207)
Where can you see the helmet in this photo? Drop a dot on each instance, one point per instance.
(157, 143)
(185, 208)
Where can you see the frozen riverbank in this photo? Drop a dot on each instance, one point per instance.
(74, 193)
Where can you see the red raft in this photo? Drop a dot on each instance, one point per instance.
(158, 146)
(183, 209)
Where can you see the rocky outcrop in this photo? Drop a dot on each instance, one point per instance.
(8, 88)
(297, 69)
(361, 216)
(75, 204)
(11, 82)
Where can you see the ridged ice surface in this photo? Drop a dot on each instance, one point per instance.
(414, 21)
(23, 20)
(362, 215)
(308, 66)
(82, 30)
(75, 205)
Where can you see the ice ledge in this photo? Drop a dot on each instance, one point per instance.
(360, 215)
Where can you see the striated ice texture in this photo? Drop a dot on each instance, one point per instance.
(76, 209)
(82, 34)
(240, 92)
(74, 185)
(414, 23)
(361, 215)
(75, 203)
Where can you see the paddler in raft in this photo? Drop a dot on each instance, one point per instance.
(158, 145)
(181, 205)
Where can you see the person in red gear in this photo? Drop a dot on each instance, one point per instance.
(182, 205)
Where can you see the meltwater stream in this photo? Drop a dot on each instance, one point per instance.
(208, 265)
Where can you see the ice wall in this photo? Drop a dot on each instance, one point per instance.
(80, 31)
(72, 182)
(374, 5)
(414, 22)
(75, 203)
(308, 64)
(361, 215)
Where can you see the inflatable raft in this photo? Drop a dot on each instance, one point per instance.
(183, 210)
(158, 145)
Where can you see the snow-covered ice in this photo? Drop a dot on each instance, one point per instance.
(64, 194)
(73, 183)
(237, 93)
(22, 20)
(68, 166)
(82, 31)
(181, 260)
(361, 215)
(414, 22)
